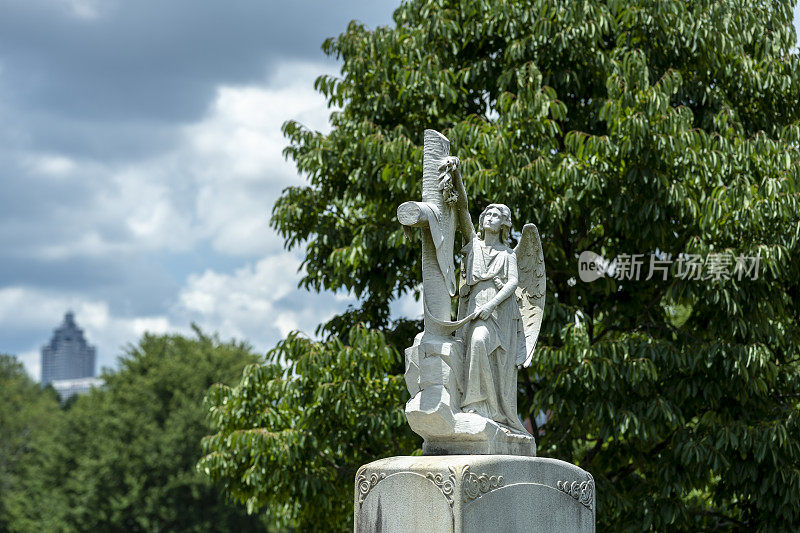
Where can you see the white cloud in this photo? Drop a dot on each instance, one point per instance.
(51, 164)
(150, 208)
(259, 302)
(83, 9)
(238, 161)
(31, 307)
(127, 209)
(407, 306)
(32, 361)
(797, 23)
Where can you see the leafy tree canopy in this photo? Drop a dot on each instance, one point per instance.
(26, 411)
(296, 429)
(122, 457)
(616, 126)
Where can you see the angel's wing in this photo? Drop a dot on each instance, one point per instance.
(531, 288)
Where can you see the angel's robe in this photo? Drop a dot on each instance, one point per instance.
(492, 346)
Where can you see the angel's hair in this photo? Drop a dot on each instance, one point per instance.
(505, 212)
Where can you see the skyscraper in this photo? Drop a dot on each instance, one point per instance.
(68, 360)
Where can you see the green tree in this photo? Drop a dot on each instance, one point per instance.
(622, 127)
(294, 431)
(122, 457)
(25, 412)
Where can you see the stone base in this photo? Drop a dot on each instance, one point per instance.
(432, 370)
(473, 493)
(474, 434)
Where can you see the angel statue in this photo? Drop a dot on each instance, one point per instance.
(501, 303)
(461, 374)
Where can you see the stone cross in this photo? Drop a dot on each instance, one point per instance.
(437, 220)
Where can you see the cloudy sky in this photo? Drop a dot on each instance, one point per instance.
(140, 155)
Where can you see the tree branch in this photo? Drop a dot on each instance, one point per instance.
(590, 455)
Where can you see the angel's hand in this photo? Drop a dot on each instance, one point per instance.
(485, 311)
(450, 164)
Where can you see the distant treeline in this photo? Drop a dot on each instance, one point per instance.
(121, 458)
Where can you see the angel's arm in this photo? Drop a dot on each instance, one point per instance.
(462, 207)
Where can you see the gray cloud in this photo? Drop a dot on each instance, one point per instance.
(158, 60)
(130, 182)
(132, 284)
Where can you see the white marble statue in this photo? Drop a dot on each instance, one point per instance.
(462, 374)
(494, 339)
(480, 471)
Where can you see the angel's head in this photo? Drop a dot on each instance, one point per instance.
(495, 218)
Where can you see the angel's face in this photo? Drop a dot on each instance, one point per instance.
(492, 220)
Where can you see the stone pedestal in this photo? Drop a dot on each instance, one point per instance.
(473, 493)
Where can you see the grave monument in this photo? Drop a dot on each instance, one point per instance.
(479, 470)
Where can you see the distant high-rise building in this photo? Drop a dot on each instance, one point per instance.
(68, 360)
